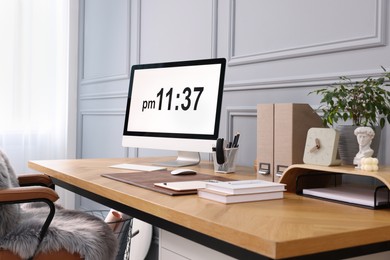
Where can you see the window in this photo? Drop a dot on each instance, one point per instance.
(34, 79)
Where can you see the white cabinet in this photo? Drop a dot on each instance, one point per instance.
(174, 247)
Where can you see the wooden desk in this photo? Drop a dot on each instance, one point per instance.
(293, 227)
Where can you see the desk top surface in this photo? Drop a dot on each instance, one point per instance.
(289, 227)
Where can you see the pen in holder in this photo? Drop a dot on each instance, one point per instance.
(229, 164)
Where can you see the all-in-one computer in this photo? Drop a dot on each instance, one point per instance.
(175, 106)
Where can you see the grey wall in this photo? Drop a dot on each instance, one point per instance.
(277, 51)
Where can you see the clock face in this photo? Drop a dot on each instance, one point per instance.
(321, 146)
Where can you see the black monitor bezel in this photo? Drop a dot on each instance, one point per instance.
(214, 136)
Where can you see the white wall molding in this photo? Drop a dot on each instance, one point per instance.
(96, 112)
(105, 95)
(247, 85)
(374, 38)
(103, 79)
(123, 72)
(294, 61)
(233, 112)
(135, 32)
(102, 112)
(242, 119)
(299, 81)
(142, 45)
(214, 30)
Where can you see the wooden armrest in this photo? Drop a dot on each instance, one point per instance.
(35, 179)
(31, 193)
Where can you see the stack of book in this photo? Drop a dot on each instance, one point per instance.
(242, 191)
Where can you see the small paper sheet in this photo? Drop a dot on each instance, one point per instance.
(184, 185)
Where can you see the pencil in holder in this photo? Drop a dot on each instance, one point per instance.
(229, 164)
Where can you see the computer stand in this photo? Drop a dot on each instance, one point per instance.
(183, 159)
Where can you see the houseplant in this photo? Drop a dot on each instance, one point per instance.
(362, 103)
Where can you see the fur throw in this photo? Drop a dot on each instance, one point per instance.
(74, 231)
(9, 213)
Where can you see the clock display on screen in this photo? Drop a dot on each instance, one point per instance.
(175, 101)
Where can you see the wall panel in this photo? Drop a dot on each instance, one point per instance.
(101, 136)
(105, 46)
(243, 120)
(279, 35)
(277, 51)
(283, 43)
(176, 30)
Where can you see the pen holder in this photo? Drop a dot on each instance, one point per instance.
(230, 161)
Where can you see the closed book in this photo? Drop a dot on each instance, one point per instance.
(231, 198)
(245, 186)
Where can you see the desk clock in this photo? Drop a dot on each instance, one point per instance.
(321, 147)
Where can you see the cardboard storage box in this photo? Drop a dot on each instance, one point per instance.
(281, 137)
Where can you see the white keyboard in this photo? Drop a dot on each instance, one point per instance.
(138, 167)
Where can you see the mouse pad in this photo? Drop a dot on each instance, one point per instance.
(148, 179)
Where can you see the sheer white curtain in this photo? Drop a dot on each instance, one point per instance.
(33, 80)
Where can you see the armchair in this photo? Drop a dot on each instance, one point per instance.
(33, 227)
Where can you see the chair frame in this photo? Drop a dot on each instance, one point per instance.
(33, 188)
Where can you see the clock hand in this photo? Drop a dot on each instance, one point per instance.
(317, 146)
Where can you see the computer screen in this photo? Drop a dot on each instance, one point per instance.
(175, 106)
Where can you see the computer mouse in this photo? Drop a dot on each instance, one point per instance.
(183, 172)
